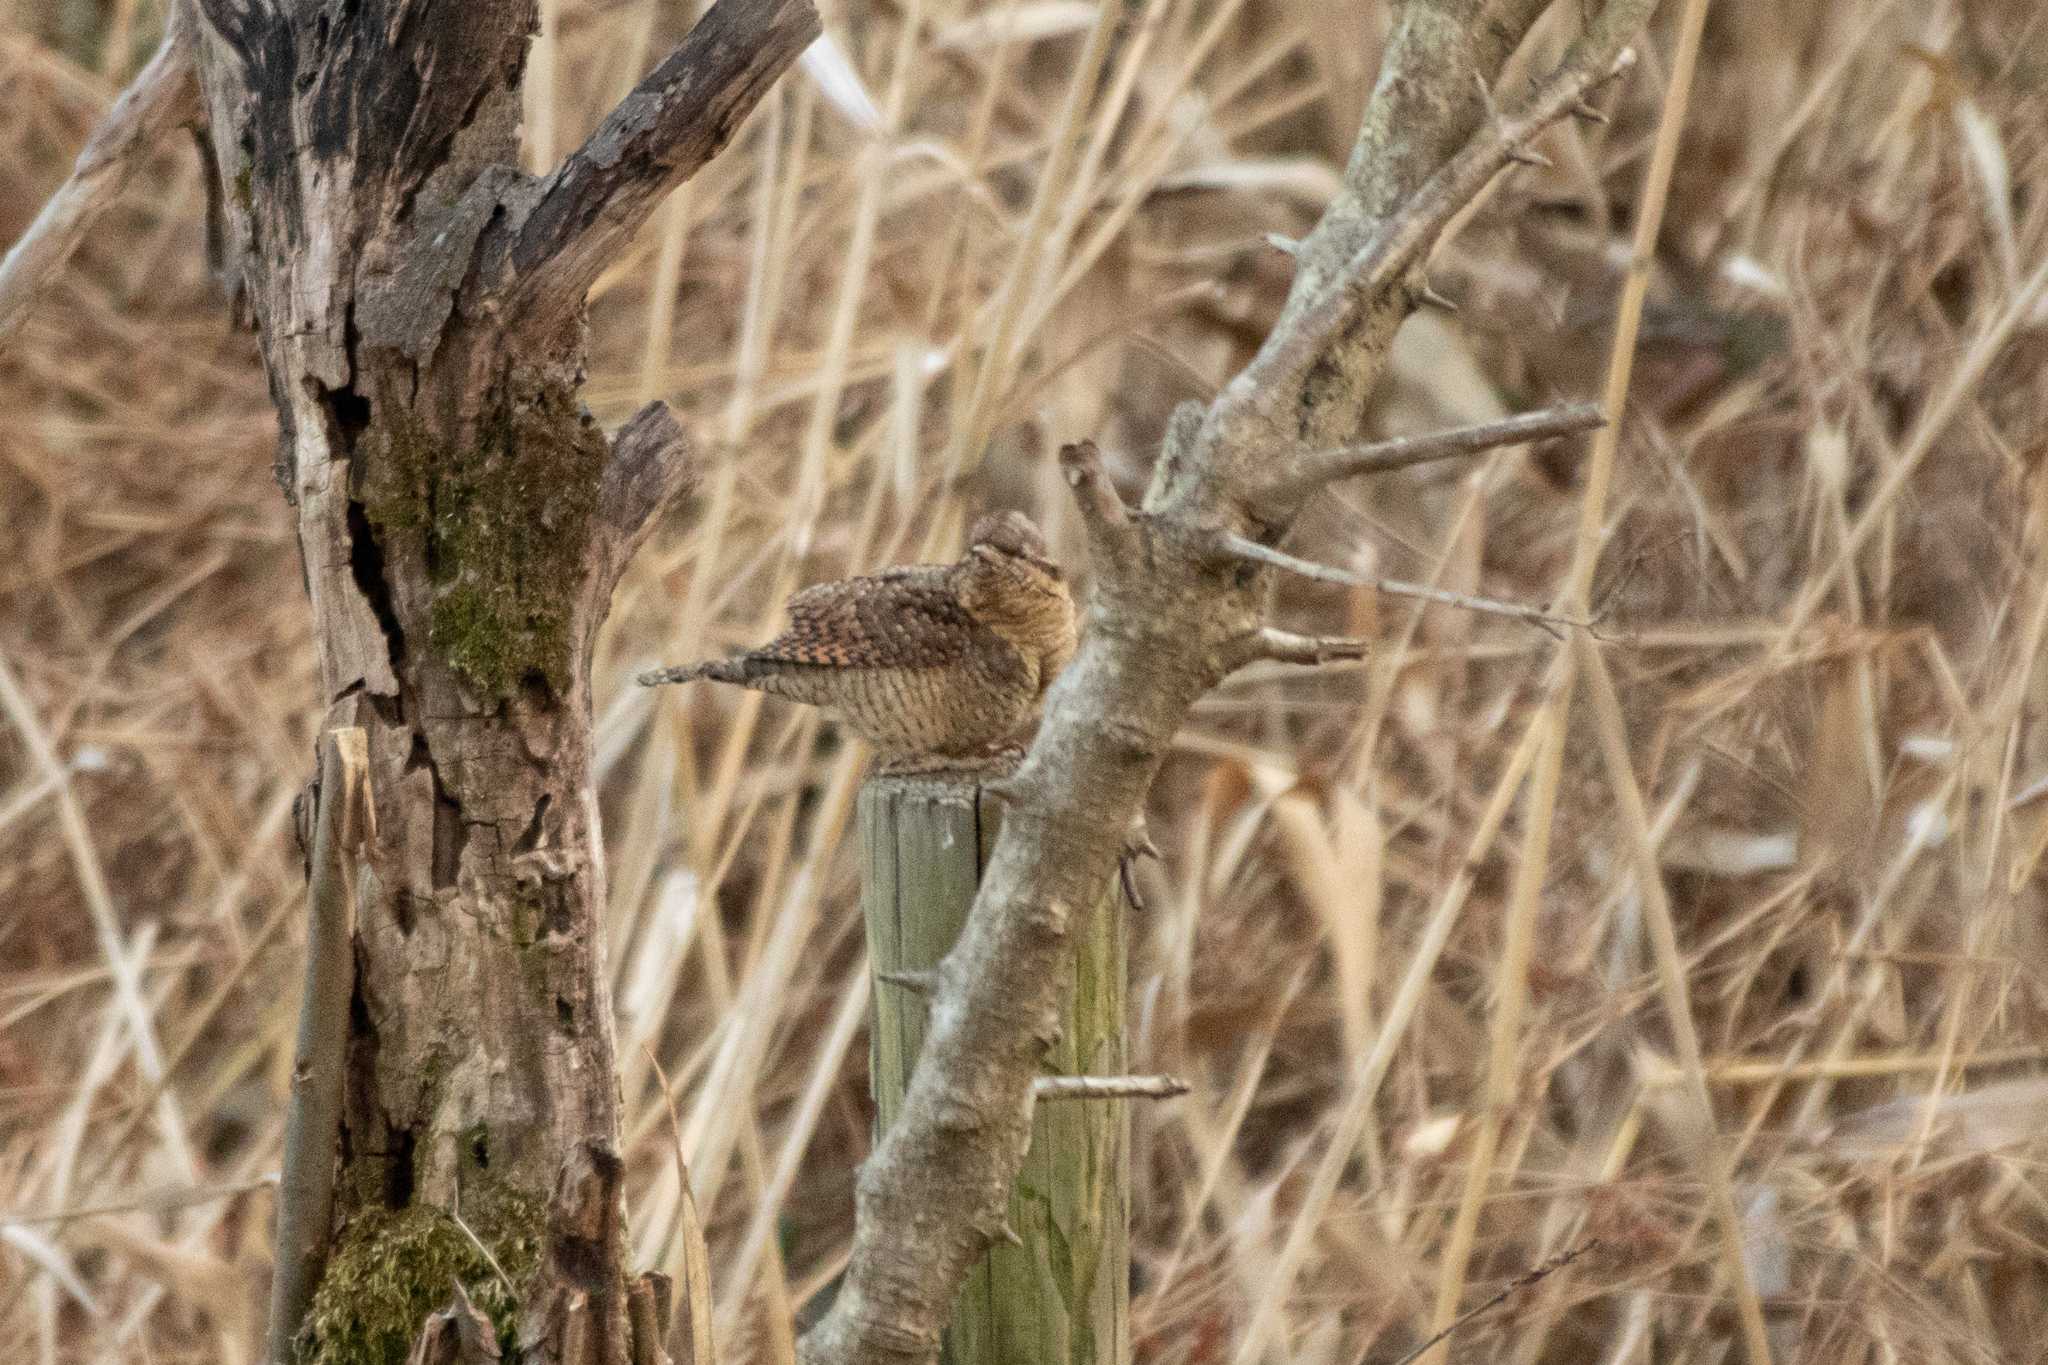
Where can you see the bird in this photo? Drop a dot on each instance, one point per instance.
(936, 666)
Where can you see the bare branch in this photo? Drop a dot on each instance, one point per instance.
(1268, 645)
(1349, 462)
(164, 95)
(1412, 126)
(305, 1196)
(1273, 377)
(1108, 1088)
(1243, 548)
(661, 134)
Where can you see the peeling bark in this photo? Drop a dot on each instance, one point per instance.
(463, 522)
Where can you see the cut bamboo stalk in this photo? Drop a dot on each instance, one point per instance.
(1060, 1294)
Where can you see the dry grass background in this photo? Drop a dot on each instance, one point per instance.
(1825, 597)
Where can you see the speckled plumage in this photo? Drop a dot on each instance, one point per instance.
(939, 661)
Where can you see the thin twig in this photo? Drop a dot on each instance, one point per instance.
(1269, 645)
(1514, 1287)
(305, 1197)
(455, 1215)
(1661, 921)
(159, 1201)
(123, 968)
(1245, 548)
(163, 95)
(917, 980)
(1108, 1087)
(1349, 462)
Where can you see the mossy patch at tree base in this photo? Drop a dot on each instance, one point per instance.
(391, 1268)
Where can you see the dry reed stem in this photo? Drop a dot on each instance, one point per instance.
(92, 880)
(1671, 984)
(1541, 809)
(1357, 1111)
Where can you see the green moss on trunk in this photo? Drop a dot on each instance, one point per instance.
(506, 522)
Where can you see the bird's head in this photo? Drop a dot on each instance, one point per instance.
(1011, 540)
(1007, 582)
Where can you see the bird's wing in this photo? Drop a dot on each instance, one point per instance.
(906, 618)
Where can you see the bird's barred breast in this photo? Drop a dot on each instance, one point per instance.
(955, 710)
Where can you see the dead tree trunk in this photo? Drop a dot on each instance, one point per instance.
(463, 521)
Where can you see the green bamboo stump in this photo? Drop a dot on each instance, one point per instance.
(1062, 1297)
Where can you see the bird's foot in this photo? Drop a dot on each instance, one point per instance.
(999, 760)
(1137, 844)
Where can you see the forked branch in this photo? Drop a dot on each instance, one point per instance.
(1178, 603)
(1405, 240)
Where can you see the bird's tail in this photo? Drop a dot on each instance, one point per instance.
(718, 670)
